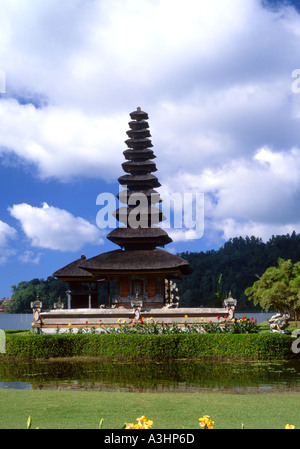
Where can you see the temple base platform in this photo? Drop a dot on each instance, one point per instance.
(48, 322)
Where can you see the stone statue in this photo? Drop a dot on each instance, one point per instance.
(59, 304)
(230, 304)
(172, 305)
(37, 308)
(137, 314)
(279, 322)
(137, 302)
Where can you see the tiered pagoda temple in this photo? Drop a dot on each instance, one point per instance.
(141, 270)
(137, 278)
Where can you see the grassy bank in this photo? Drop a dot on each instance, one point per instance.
(53, 409)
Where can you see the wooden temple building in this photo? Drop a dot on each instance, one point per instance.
(138, 277)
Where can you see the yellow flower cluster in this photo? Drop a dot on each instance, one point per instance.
(142, 423)
(206, 422)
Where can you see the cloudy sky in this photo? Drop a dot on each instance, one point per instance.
(220, 81)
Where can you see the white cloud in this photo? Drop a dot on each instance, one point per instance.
(62, 143)
(215, 77)
(7, 235)
(232, 228)
(30, 257)
(183, 235)
(257, 197)
(53, 228)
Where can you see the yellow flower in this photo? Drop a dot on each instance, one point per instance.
(29, 421)
(143, 423)
(133, 426)
(185, 316)
(148, 424)
(119, 320)
(32, 324)
(202, 319)
(206, 422)
(69, 324)
(289, 426)
(124, 321)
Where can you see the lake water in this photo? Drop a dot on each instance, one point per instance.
(22, 321)
(162, 377)
(260, 317)
(15, 321)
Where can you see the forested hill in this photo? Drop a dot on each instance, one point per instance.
(236, 265)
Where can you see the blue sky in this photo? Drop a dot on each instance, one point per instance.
(219, 84)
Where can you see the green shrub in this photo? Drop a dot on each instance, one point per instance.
(180, 346)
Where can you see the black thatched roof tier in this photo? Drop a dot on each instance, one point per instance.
(140, 154)
(142, 181)
(73, 270)
(139, 167)
(138, 125)
(137, 261)
(139, 133)
(138, 143)
(152, 195)
(142, 216)
(147, 238)
(139, 115)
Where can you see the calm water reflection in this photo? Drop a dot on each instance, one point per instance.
(144, 377)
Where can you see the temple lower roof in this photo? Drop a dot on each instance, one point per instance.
(136, 261)
(73, 270)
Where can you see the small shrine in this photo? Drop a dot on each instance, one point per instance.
(138, 278)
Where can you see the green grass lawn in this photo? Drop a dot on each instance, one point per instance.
(55, 409)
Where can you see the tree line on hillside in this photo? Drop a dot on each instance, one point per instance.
(48, 290)
(232, 268)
